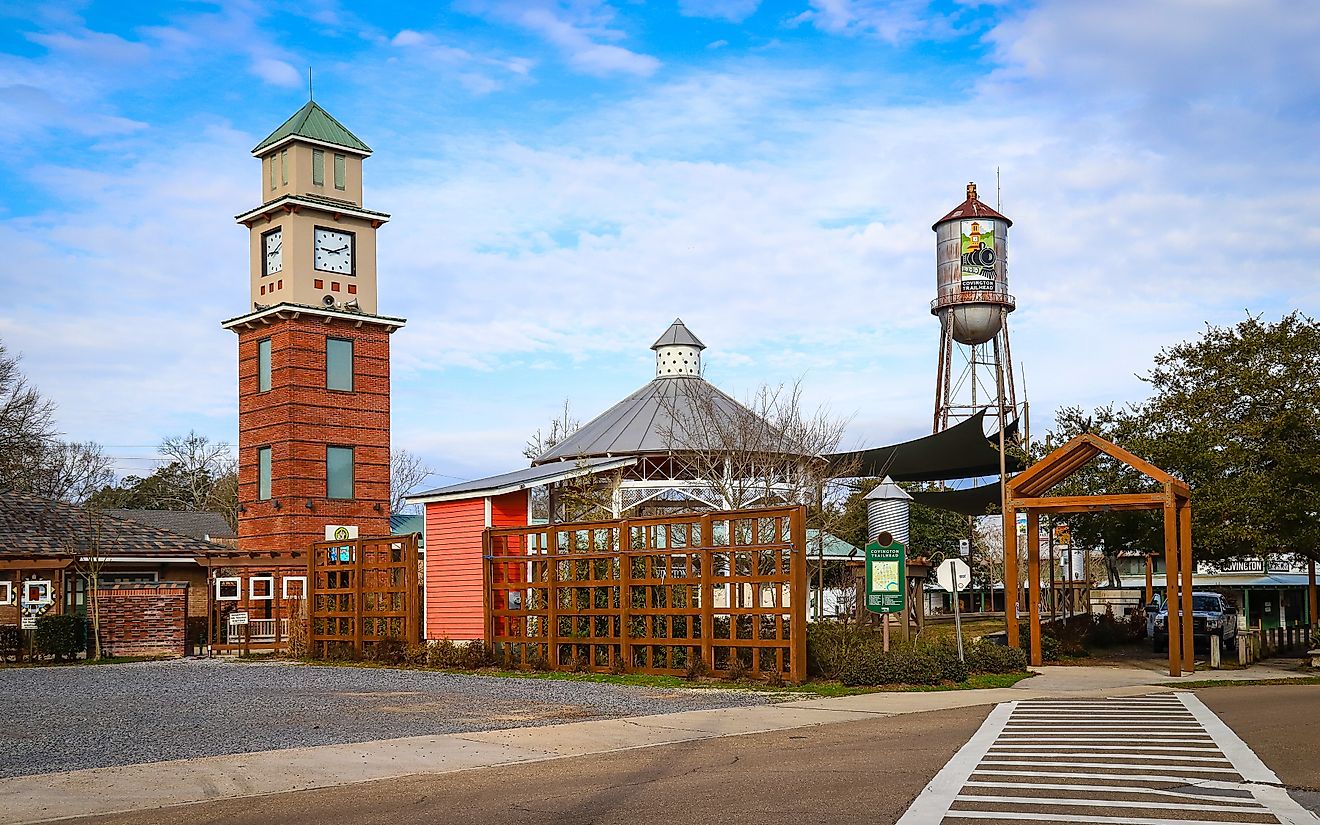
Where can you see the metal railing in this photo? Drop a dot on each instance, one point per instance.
(256, 630)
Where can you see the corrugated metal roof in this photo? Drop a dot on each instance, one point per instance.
(311, 121)
(972, 208)
(678, 335)
(835, 547)
(520, 479)
(888, 490)
(647, 421)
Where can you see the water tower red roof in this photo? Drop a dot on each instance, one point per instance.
(972, 208)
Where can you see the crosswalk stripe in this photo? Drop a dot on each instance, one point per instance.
(1143, 766)
(1062, 817)
(1051, 786)
(1106, 803)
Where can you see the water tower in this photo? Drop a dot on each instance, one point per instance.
(976, 366)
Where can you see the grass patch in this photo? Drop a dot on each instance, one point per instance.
(1214, 683)
(105, 660)
(823, 688)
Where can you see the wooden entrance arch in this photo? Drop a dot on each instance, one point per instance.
(1027, 493)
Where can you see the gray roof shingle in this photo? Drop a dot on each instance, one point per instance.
(199, 525)
(35, 526)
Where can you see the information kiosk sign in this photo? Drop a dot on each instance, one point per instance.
(886, 572)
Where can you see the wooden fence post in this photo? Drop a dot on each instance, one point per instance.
(798, 595)
(625, 598)
(552, 595)
(708, 593)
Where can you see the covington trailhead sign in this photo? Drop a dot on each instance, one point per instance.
(886, 573)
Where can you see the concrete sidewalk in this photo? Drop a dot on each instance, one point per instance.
(136, 787)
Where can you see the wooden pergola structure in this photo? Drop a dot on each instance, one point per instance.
(1027, 491)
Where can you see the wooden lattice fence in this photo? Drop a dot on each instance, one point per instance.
(363, 591)
(718, 592)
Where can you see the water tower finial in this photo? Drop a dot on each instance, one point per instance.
(971, 191)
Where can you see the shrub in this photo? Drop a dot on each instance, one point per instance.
(11, 642)
(416, 654)
(987, 657)
(445, 654)
(477, 655)
(389, 651)
(737, 668)
(62, 636)
(696, 669)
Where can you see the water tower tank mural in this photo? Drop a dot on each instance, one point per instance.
(975, 371)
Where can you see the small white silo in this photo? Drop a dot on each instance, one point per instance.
(887, 510)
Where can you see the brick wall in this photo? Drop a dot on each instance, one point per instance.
(143, 619)
(298, 418)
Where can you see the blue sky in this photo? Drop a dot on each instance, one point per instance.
(566, 178)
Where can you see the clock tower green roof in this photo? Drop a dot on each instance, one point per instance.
(314, 123)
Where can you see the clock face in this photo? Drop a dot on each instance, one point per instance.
(333, 251)
(274, 251)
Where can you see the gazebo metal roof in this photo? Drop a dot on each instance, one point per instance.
(646, 422)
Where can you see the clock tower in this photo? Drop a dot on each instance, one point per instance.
(313, 350)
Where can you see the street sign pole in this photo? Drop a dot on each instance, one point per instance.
(957, 625)
(953, 575)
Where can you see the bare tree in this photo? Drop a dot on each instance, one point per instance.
(200, 463)
(407, 471)
(561, 427)
(27, 425)
(71, 472)
(767, 451)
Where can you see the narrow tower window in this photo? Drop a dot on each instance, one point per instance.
(338, 364)
(270, 164)
(263, 473)
(263, 365)
(339, 472)
(318, 167)
(339, 171)
(284, 166)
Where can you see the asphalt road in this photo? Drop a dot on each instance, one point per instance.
(865, 771)
(1281, 723)
(861, 771)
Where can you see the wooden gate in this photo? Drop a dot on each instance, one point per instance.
(718, 592)
(363, 591)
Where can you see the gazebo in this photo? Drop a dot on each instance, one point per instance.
(1027, 492)
(691, 443)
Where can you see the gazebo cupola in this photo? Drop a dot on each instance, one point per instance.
(677, 352)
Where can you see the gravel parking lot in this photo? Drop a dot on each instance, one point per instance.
(68, 718)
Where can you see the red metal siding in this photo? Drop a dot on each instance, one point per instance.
(454, 608)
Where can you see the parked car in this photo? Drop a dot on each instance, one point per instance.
(1213, 621)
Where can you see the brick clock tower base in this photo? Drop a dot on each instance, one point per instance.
(298, 418)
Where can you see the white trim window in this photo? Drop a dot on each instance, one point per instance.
(228, 589)
(37, 592)
(261, 588)
(297, 592)
(6, 592)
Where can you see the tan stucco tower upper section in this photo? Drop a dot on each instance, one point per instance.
(312, 243)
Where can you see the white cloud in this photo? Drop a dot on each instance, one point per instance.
(577, 31)
(277, 72)
(888, 20)
(735, 11)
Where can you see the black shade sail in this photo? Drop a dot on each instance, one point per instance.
(962, 451)
(972, 501)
